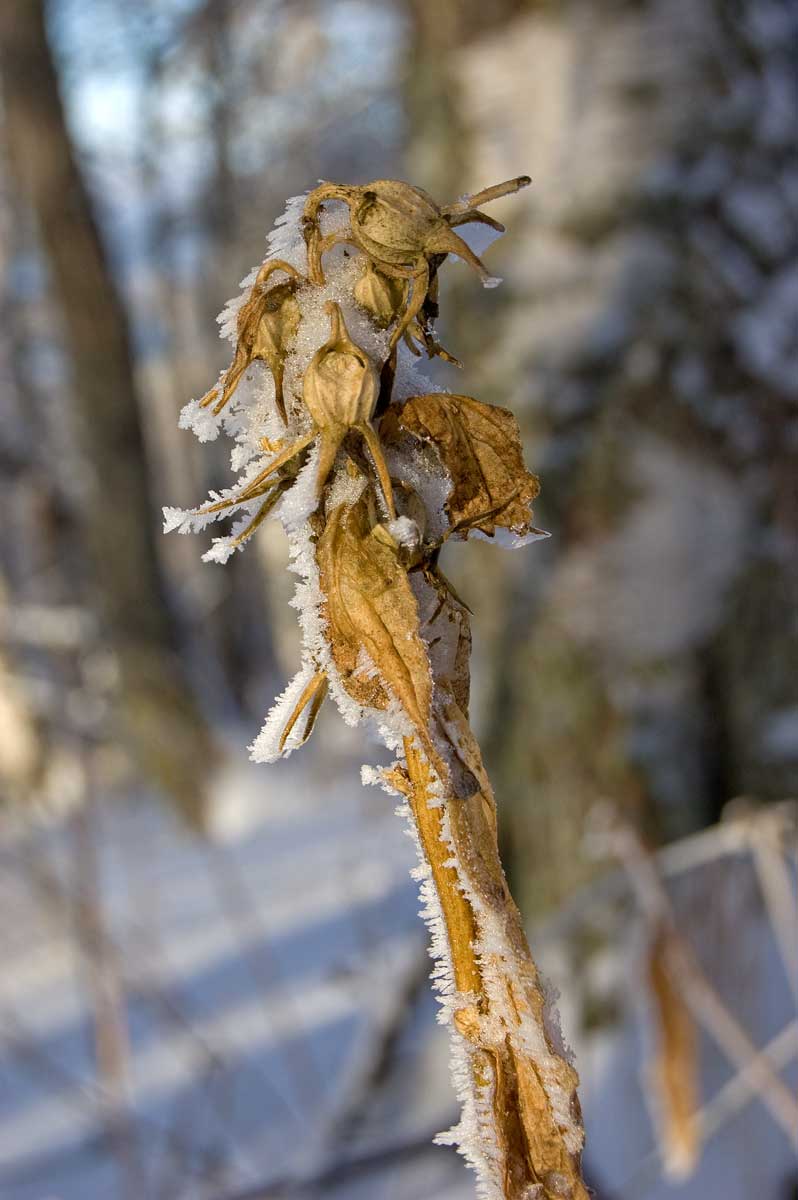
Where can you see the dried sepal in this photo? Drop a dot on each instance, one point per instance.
(272, 490)
(285, 461)
(266, 324)
(424, 335)
(480, 447)
(311, 699)
(273, 497)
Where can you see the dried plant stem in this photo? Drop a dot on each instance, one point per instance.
(727, 1102)
(502, 1000)
(458, 913)
(396, 473)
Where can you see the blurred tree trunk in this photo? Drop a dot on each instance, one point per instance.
(21, 751)
(648, 654)
(437, 150)
(237, 657)
(159, 717)
(247, 645)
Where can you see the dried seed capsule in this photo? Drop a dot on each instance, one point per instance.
(380, 295)
(266, 324)
(393, 221)
(341, 384)
(278, 323)
(402, 230)
(340, 390)
(399, 225)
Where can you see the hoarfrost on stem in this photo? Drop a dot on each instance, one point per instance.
(383, 633)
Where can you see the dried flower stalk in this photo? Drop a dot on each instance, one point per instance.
(673, 1074)
(371, 471)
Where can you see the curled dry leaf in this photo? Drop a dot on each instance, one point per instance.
(480, 447)
(371, 609)
(308, 705)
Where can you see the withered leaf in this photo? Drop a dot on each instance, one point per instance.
(480, 446)
(370, 607)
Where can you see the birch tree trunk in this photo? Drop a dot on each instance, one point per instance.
(654, 661)
(159, 717)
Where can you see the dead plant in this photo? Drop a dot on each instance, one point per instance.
(371, 470)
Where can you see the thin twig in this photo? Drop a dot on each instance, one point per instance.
(779, 895)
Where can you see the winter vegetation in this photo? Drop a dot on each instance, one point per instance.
(382, 629)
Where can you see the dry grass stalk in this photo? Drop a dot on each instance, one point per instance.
(683, 993)
(674, 1071)
(371, 471)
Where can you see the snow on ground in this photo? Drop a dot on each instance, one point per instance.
(268, 969)
(261, 969)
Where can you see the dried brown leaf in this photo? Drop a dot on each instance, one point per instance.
(370, 607)
(480, 446)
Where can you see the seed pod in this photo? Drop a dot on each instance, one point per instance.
(341, 384)
(381, 296)
(392, 220)
(397, 224)
(402, 230)
(278, 323)
(277, 327)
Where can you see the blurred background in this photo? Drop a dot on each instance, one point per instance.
(214, 979)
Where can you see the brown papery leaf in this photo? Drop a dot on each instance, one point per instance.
(480, 446)
(370, 607)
